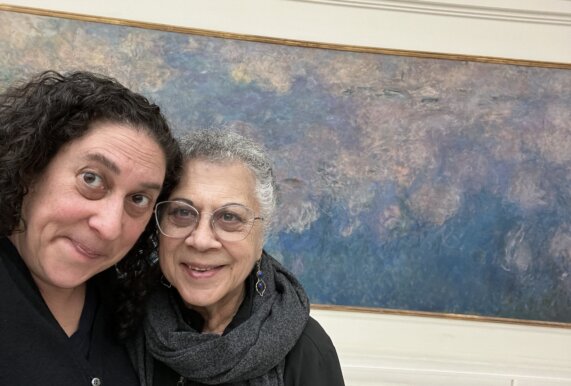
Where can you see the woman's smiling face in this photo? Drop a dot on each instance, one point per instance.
(90, 205)
(209, 273)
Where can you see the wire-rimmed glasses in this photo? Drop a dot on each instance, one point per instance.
(178, 219)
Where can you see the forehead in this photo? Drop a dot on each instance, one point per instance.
(213, 184)
(119, 140)
(126, 152)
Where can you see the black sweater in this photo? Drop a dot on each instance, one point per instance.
(34, 348)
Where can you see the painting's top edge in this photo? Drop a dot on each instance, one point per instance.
(282, 41)
(427, 314)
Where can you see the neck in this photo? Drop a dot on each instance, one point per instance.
(218, 317)
(65, 304)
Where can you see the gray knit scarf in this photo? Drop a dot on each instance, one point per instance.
(253, 353)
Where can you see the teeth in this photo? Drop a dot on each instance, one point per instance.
(200, 269)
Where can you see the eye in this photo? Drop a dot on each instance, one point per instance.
(139, 204)
(92, 179)
(229, 217)
(230, 220)
(182, 215)
(91, 185)
(181, 212)
(141, 200)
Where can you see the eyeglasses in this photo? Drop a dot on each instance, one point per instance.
(177, 219)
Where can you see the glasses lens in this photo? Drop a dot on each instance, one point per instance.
(233, 222)
(176, 219)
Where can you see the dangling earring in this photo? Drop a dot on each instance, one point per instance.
(260, 284)
(154, 256)
(165, 282)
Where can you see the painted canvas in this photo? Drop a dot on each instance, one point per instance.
(406, 183)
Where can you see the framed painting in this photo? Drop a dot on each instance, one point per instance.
(409, 182)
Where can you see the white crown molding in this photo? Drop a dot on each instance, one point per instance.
(536, 30)
(498, 10)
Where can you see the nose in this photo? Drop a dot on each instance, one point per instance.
(108, 218)
(203, 238)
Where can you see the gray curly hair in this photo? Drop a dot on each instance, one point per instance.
(221, 146)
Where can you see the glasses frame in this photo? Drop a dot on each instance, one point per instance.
(199, 213)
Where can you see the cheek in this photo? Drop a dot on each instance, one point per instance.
(166, 259)
(134, 231)
(167, 246)
(168, 267)
(247, 255)
(51, 218)
(164, 266)
(48, 207)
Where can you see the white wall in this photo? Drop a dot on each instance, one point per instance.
(401, 350)
(536, 30)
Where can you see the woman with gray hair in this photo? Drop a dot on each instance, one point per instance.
(227, 313)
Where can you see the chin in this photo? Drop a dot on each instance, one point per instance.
(71, 280)
(192, 298)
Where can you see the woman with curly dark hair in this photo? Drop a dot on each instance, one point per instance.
(82, 162)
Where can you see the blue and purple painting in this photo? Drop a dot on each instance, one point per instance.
(406, 183)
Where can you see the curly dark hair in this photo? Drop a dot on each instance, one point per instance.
(40, 116)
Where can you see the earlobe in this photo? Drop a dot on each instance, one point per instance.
(21, 225)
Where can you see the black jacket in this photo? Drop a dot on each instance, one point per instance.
(313, 360)
(34, 348)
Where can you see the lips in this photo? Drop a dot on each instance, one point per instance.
(199, 271)
(87, 251)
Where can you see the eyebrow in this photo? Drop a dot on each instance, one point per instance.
(109, 164)
(182, 199)
(100, 158)
(188, 201)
